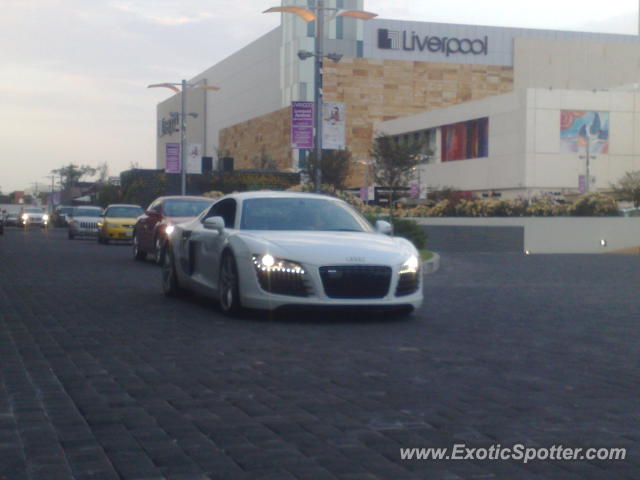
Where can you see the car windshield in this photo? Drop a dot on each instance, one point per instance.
(124, 212)
(291, 213)
(34, 210)
(87, 212)
(185, 207)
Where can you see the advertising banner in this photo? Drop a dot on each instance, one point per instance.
(194, 158)
(333, 126)
(302, 125)
(172, 157)
(577, 128)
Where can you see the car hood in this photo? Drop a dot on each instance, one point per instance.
(86, 219)
(120, 220)
(176, 220)
(325, 248)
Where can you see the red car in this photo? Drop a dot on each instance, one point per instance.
(151, 228)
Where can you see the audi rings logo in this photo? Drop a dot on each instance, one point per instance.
(411, 41)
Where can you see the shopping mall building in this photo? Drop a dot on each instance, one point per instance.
(503, 111)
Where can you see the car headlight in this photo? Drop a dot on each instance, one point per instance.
(45, 217)
(267, 263)
(25, 217)
(411, 265)
(169, 230)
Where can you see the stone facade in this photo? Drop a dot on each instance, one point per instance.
(373, 91)
(269, 134)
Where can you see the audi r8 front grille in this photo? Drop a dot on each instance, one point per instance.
(283, 283)
(408, 283)
(356, 281)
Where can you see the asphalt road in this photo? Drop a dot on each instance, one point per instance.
(101, 377)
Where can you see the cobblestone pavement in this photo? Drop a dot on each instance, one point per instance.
(101, 377)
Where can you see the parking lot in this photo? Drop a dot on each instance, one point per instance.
(101, 377)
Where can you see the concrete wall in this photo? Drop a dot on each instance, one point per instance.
(525, 157)
(558, 234)
(579, 63)
(249, 82)
(502, 46)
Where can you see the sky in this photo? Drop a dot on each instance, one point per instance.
(73, 72)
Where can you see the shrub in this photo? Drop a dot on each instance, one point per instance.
(594, 205)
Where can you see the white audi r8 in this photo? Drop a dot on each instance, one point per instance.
(267, 250)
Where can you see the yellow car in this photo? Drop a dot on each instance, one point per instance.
(117, 222)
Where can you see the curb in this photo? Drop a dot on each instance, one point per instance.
(432, 265)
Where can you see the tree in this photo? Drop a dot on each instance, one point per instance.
(103, 173)
(71, 174)
(628, 188)
(335, 167)
(393, 161)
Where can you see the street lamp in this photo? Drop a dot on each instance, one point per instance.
(310, 14)
(183, 126)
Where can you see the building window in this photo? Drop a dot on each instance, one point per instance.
(465, 140)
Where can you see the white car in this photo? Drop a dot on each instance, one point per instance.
(265, 250)
(34, 216)
(83, 222)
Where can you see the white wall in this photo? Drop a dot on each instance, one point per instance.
(524, 141)
(581, 63)
(561, 234)
(249, 82)
(548, 167)
(505, 48)
(505, 166)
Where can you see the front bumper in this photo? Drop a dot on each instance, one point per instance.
(253, 296)
(82, 231)
(35, 221)
(117, 233)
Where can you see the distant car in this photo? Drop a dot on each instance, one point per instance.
(117, 222)
(11, 220)
(267, 250)
(83, 222)
(34, 216)
(60, 215)
(151, 229)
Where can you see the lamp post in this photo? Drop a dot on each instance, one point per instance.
(317, 13)
(183, 126)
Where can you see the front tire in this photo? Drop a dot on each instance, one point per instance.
(228, 285)
(170, 285)
(138, 254)
(160, 252)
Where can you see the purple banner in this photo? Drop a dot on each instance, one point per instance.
(302, 124)
(172, 156)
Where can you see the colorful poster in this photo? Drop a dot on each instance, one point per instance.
(333, 123)
(465, 140)
(194, 158)
(579, 129)
(302, 125)
(172, 157)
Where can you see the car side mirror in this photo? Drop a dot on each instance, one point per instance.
(152, 213)
(214, 223)
(384, 227)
